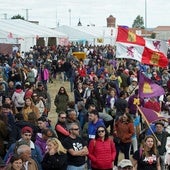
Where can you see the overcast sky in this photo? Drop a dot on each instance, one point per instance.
(51, 12)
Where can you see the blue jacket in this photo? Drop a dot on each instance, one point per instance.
(93, 127)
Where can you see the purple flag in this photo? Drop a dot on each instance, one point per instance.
(148, 88)
(150, 115)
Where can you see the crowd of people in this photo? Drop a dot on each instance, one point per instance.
(102, 121)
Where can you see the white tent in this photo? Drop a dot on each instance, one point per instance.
(76, 35)
(93, 34)
(22, 32)
(105, 35)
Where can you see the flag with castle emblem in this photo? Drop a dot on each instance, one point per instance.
(129, 45)
(147, 87)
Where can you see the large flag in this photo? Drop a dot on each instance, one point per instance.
(154, 58)
(148, 88)
(150, 115)
(129, 45)
(126, 36)
(157, 45)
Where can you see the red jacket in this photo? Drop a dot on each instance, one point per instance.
(102, 153)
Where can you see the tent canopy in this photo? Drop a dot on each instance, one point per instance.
(23, 29)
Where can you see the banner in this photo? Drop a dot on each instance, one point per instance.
(148, 88)
(132, 46)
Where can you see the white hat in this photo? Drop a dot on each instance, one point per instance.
(124, 163)
(135, 79)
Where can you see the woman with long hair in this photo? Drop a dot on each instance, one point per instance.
(61, 100)
(30, 107)
(102, 150)
(55, 157)
(147, 156)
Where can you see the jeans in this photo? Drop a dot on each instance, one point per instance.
(72, 167)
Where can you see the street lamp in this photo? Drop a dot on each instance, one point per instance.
(69, 17)
(145, 14)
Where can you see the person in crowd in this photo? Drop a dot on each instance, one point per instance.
(134, 101)
(95, 99)
(100, 148)
(76, 149)
(44, 96)
(3, 136)
(19, 123)
(88, 89)
(110, 106)
(161, 135)
(28, 108)
(24, 151)
(26, 134)
(43, 75)
(41, 139)
(121, 104)
(8, 100)
(29, 88)
(125, 164)
(78, 94)
(11, 88)
(38, 103)
(93, 123)
(60, 127)
(153, 104)
(72, 118)
(107, 119)
(133, 86)
(18, 97)
(156, 78)
(61, 100)
(7, 117)
(165, 77)
(147, 156)
(42, 123)
(2, 164)
(123, 131)
(15, 163)
(55, 157)
(82, 113)
(30, 76)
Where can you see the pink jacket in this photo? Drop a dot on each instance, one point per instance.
(102, 153)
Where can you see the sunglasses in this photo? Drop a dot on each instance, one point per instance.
(75, 129)
(100, 131)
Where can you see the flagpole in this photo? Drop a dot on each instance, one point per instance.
(147, 123)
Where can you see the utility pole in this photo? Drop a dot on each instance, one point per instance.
(69, 17)
(27, 13)
(5, 16)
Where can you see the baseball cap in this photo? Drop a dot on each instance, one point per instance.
(26, 129)
(124, 163)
